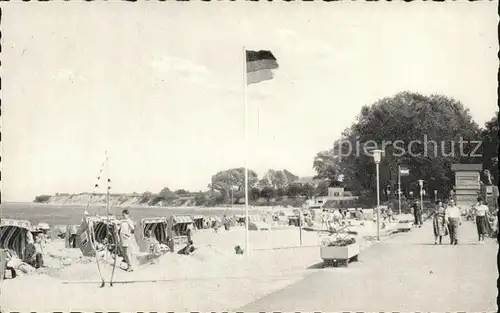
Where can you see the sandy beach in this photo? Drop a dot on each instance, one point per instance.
(212, 278)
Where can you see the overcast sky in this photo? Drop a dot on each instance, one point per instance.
(159, 85)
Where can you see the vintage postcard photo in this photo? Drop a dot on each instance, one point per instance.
(245, 157)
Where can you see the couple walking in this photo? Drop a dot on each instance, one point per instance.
(445, 221)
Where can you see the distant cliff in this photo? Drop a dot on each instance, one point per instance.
(169, 200)
(122, 199)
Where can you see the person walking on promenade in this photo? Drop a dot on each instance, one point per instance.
(439, 223)
(226, 222)
(417, 213)
(390, 213)
(125, 234)
(454, 219)
(483, 225)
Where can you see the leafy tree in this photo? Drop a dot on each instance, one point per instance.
(167, 194)
(308, 190)
(294, 190)
(181, 192)
(268, 193)
(263, 182)
(327, 166)
(277, 178)
(201, 199)
(489, 148)
(225, 181)
(322, 189)
(401, 119)
(254, 193)
(214, 198)
(145, 197)
(281, 192)
(290, 177)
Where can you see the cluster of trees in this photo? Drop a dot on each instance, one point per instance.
(228, 186)
(168, 197)
(408, 117)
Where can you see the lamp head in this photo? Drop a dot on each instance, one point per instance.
(377, 155)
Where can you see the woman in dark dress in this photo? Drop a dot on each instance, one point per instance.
(483, 225)
(439, 223)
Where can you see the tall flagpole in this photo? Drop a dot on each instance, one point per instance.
(247, 245)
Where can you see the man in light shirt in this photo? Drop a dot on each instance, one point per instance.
(453, 216)
(125, 233)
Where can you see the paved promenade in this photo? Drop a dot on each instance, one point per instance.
(404, 273)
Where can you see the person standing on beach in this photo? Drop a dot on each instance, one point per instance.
(454, 219)
(73, 230)
(125, 234)
(483, 225)
(189, 231)
(39, 244)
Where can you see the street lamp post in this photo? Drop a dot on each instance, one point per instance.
(421, 183)
(377, 155)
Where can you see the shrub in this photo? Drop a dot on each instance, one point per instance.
(42, 199)
(342, 242)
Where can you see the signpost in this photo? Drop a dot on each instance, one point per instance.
(401, 172)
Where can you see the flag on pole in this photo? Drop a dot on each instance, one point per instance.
(260, 66)
(404, 171)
